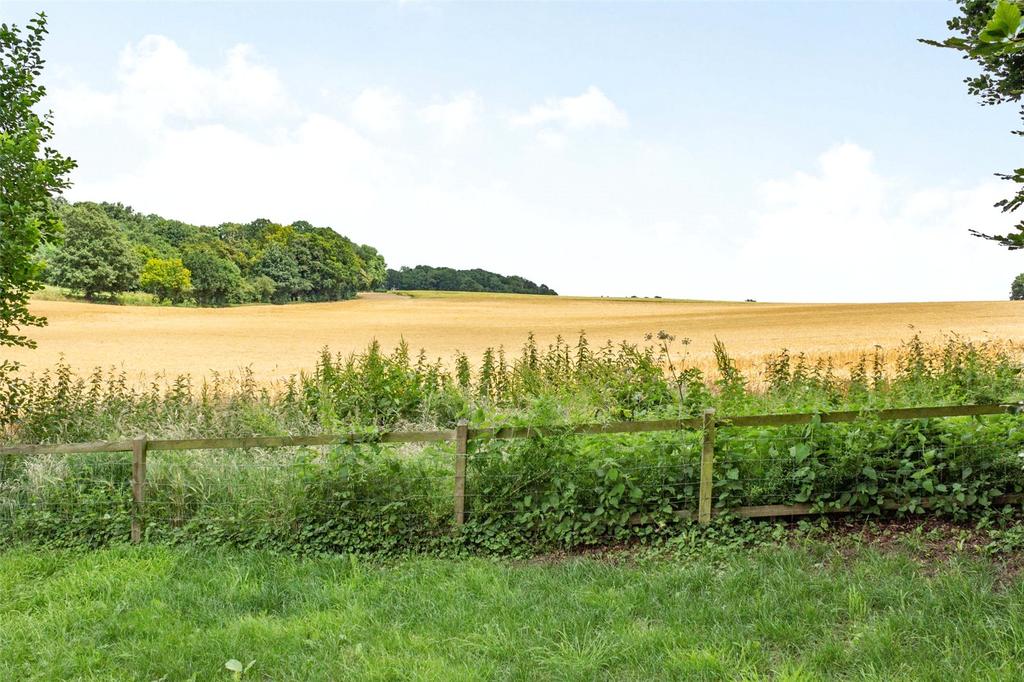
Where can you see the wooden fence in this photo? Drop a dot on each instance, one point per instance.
(708, 423)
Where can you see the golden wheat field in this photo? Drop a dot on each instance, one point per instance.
(276, 341)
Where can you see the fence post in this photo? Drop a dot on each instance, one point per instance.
(139, 446)
(707, 463)
(461, 445)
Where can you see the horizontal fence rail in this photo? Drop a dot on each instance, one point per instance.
(691, 423)
(708, 423)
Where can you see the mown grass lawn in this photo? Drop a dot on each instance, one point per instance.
(780, 613)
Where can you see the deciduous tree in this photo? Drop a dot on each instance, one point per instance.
(374, 273)
(992, 35)
(215, 280)
(279, 264)
(95, 257)
(31, 174)
(166, 278)
(1017, 288)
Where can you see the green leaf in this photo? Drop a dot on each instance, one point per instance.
(955, 43)
(924, 472)
(870, 473)
(1004, 23)
(234, 666)
(801, 452)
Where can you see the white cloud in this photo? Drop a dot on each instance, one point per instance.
(158, 83)
(378, 110)
(454, 117)
(592, 109)
(848, 233)
(551, 139)
(80, 106)
(215, 173)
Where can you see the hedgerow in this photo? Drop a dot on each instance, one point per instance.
(553, 491)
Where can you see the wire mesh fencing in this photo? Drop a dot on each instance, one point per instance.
(403, 491)
(69, 499)
(906, 467)
(340, 498)
(601, 480)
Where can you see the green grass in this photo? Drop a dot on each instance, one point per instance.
(435, 293)
(137, 298)
(780, 613)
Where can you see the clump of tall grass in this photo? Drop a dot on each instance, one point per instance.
(957, 371)
(60, 406)
(380, 389)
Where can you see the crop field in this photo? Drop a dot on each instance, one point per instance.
(276, 341)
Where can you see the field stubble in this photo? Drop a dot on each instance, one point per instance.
(277, 341)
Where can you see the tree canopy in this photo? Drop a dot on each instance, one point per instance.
(31, 175)
(259, 261)
(215, 280)
(992, 36)
(256, 262)
(95, 256)
(1017, 288)
(425, 277)
(166, 278)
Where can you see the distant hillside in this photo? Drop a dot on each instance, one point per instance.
(448, 279)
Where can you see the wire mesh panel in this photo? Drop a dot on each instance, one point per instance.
(947, 466)
(759, 467)
(65, 499)
(369, 498)
(576, 488)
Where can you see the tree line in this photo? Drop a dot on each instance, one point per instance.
(425, 277)
(109, 248)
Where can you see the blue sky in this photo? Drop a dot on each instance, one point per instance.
(780, 151)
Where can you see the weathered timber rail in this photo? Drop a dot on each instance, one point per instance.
(708, 423)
